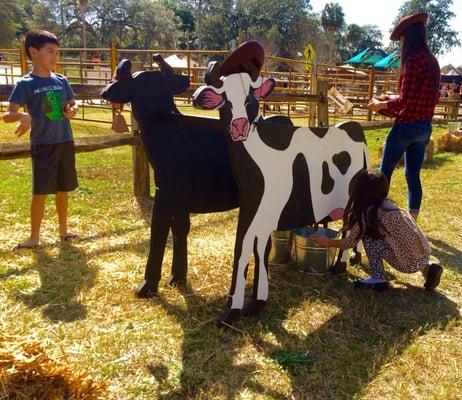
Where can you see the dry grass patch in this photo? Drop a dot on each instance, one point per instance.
(318, 338)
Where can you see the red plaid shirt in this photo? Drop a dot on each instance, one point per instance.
(419, 94)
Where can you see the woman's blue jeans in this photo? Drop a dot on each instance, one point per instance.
(410, 140)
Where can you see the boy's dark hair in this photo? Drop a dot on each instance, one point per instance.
(37, 39)
(369, 190)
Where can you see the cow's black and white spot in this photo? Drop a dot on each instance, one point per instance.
(327, 182)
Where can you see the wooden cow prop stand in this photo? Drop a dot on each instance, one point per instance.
(288, 177)
(192, 170)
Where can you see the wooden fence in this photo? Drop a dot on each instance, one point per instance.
(141, 170)
(357, 85)
(298, 94)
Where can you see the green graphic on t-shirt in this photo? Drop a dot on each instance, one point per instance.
(53, 105)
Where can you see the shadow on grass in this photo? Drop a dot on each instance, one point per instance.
(331, 357)
(447, 254)
(62, 279)
(439, 160)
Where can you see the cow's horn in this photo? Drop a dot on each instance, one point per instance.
(212, 75)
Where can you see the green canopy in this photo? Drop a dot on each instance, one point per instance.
(389, 61)
(358, 57)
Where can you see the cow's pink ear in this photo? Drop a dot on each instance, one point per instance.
(208, 99)
(265, 89)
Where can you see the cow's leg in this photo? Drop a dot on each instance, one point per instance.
(260, 281)
(242, 252)
(160, 226)
(180, 230)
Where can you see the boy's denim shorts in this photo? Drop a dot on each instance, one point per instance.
(53, 168)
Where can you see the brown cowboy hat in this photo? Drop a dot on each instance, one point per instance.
(248, 57)
(406, 22)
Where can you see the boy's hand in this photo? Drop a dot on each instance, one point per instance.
(24, 124)
(322, 241)
(69, 111)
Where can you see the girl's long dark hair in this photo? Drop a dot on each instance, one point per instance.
(369, 190)
(415, 39)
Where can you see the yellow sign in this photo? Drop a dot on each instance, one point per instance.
(309, 54)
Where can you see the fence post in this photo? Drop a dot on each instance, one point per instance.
(23, 57)
(114, 60)
(141, 182)
(323, 105)
(314, 90)
(371, 93)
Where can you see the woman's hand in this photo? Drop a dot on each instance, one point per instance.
(377, 105)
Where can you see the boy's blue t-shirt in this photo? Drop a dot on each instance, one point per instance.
(45, 99)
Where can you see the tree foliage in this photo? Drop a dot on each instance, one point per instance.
(284, 27)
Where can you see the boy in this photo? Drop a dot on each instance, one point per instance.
(50, 104)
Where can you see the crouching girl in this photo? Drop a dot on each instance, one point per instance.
(388, 234)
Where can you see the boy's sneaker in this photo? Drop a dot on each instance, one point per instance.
(433, 276)
(371, 283)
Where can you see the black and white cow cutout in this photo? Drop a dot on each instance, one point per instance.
(288, 177)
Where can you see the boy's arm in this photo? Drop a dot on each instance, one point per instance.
(70, 109)
(13, 115)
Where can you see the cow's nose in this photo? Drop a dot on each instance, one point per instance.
(240, 129)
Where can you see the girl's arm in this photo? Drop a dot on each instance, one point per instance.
(346, 243)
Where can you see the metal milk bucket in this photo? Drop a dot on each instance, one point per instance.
(308, 256)
(281, 247)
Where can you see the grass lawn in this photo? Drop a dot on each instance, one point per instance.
(317, 339)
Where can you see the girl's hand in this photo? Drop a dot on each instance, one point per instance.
(69, 112)
(24, 124)
(322, 241)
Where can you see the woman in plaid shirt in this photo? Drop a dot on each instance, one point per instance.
(413, 108)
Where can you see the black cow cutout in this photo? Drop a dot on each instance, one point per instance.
(192, 170)
(189, 156)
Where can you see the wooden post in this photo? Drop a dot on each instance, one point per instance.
(323, 106)
(371, 93)
(114, 60)
(314, 90)
(23, 57)
(141, 180)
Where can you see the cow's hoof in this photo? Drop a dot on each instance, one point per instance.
(228, 317)
(339, 267)
(146, 290)
(172, 281)
(254, 308)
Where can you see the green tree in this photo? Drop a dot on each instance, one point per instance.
(333, 23)
(281, 25)
(358, 38)
(441, 38)
(12, 18)
(333, 17)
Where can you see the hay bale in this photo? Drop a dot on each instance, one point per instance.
(429, 150)
(26, 372)
(450, 142)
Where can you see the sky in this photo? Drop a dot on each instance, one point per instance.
(383, 13)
